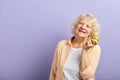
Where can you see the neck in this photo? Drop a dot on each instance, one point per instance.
(78, 42)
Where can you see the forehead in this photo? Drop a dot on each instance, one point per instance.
(86, 20)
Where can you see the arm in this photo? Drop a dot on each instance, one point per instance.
(54, 65)
(89, 71)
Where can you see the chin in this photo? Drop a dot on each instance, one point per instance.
(82, 35)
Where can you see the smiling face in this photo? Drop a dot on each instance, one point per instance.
(83, 28)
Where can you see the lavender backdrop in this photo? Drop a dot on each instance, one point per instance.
(30, 30)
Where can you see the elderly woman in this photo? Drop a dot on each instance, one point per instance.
(77, 58)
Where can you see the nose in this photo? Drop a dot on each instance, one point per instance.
(83, 26)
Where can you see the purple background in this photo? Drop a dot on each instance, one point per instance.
(30, 30)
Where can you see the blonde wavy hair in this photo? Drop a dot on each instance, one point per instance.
(95, 27)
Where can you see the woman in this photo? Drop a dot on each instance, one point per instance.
(77, 58)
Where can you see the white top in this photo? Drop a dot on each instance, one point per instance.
(72, 65)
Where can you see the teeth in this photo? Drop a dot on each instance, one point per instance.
(81, 31)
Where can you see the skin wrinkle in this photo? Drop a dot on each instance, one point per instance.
(84, 27)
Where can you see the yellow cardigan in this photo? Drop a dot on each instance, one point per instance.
(88, 63)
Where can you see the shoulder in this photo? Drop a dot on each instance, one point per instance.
(63, 42)
(96, 49)
(96, 46)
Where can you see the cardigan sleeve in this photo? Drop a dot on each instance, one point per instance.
(54, 64)
(88, 73)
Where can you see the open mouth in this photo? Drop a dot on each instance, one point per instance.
(83, 31)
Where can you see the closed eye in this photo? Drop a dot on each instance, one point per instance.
(81, 23)
(88, 26)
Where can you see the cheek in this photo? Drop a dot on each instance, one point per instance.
(89, 31)
(76, 29)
